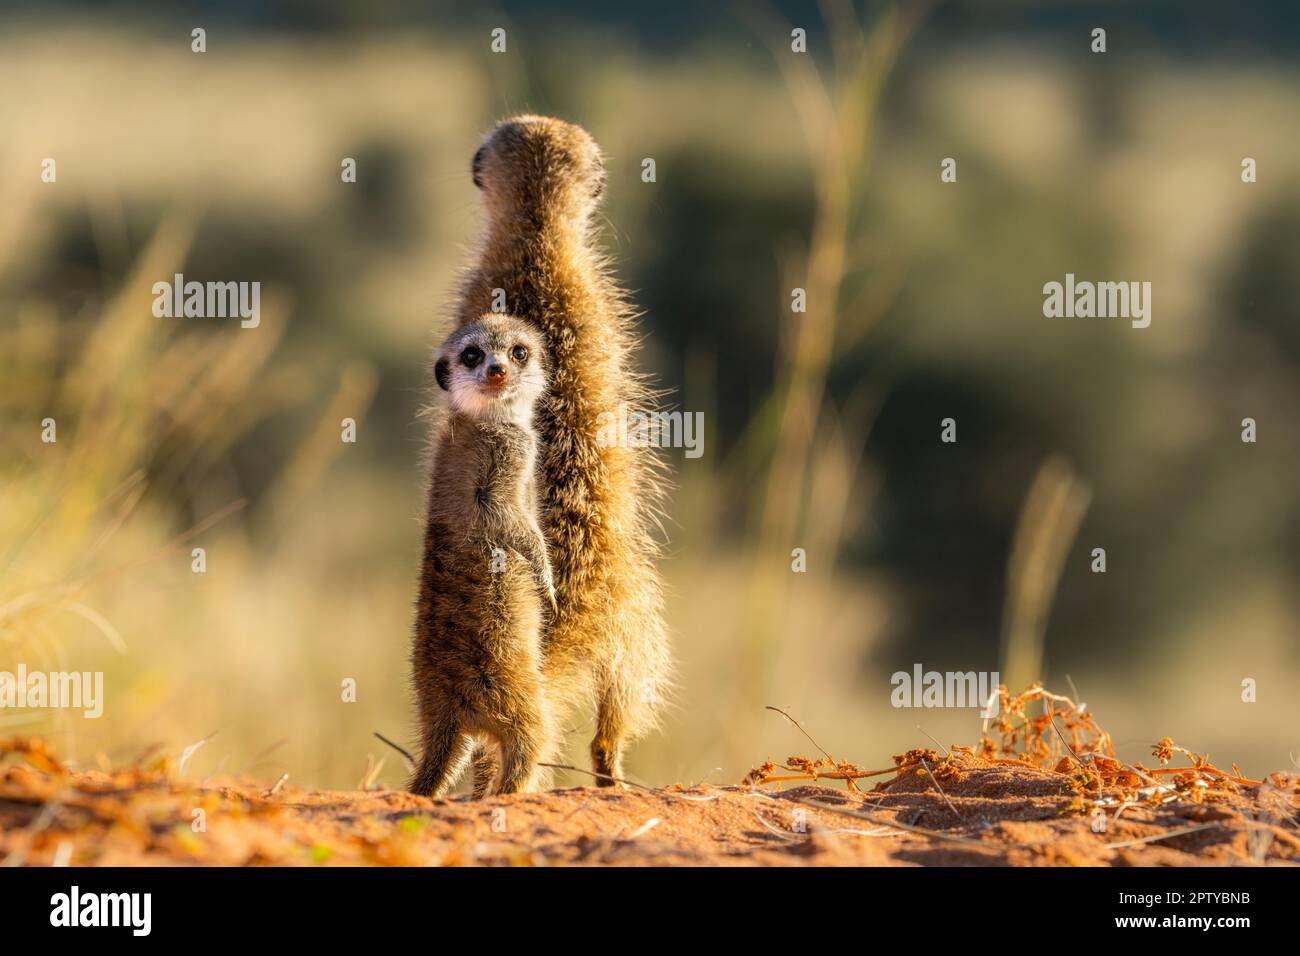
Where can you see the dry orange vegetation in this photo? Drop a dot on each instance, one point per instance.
(1044, 789)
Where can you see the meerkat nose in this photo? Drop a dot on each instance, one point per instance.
(496, 374)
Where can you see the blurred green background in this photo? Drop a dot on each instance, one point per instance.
(774, 171)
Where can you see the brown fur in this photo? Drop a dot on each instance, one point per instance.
(541, 179)
(485, 577)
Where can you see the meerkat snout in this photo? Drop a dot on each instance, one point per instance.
(493, 369)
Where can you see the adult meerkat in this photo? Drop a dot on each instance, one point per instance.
(541, 179)
(485, 578)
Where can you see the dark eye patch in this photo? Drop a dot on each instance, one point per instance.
(519, 354)
(471, 357)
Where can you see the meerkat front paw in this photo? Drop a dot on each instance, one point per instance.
(547, 581)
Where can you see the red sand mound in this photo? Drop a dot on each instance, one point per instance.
(998, 814)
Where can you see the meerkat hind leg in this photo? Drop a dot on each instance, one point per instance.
(525, 743)
(607, 745)
(446, 750)
(486, 767)
(519, 770)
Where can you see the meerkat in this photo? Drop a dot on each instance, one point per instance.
(485, 583)
(541, 180)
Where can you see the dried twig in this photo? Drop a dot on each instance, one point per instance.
(799, 726)
(406, 754)
(597, 775)
(930, 775)
(881, 821)
(276, 787)
(1160, 836)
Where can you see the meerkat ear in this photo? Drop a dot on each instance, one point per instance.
(442, 372)
(476, 167)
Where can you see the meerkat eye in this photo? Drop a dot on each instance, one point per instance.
(471, 357)
(519, 354)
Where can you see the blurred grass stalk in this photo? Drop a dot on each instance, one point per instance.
(1049, 522)
(814, 447)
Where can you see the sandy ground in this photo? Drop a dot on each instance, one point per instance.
(996, 815)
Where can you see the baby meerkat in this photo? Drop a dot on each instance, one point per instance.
(541, 180)
(486, 578)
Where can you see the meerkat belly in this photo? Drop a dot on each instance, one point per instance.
(512, 627)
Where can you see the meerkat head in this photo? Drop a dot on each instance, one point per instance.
(538, 165)
(493, 369)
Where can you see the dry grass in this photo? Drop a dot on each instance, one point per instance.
(1063, 739)
(141, 408)
(1062, 764)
